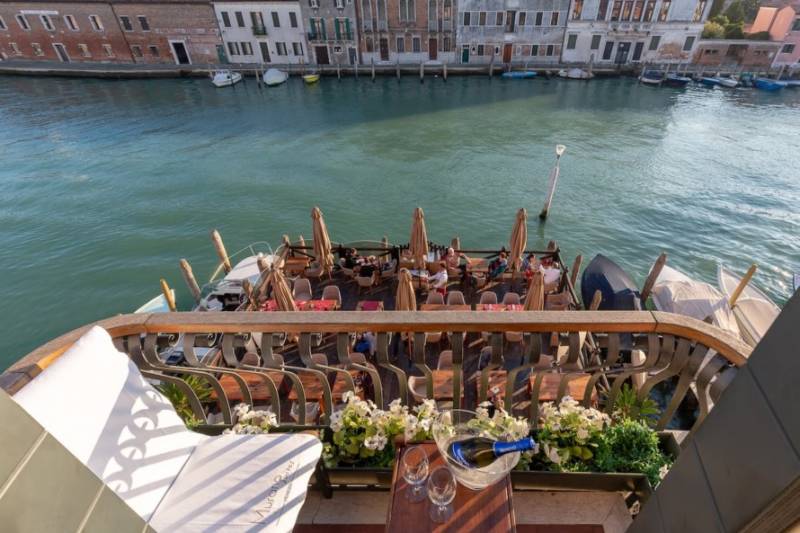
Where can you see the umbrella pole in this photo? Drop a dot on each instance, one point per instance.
(742, 285)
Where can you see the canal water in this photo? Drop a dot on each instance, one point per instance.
(104, 185)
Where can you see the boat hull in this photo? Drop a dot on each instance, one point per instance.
(768, 85)
(226, 79)
(754, 311)
(519, 75)
(617, 288)
(676, 81)
(273, 77)
(310, 79)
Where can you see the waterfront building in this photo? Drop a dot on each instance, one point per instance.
(625, 32)
(734, 54)
(783, 25)
(407, 31)
(332, 31)
(262, 32)
(169, 32)
(511, 31)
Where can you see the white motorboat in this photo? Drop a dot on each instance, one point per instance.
(158, 304)
(273, 77)
(225, 78)
(754, 311)
(575, 74)
(675, 292)
(728, 82)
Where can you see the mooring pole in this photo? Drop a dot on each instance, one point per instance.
(553, 181)
(191, 282)
(373, 69)
(421, 72)
(444, 71)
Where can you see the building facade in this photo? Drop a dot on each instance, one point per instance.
(407, 31)
(732, 54)
(625, 32)
(511, 31)
(332, 31)
(783, 25)
(263, 32)
(119, 32)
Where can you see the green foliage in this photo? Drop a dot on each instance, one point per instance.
(180, 401)
(628, 406)
(750, 8)
(712, 30)
(722, 20)
(734, 31)
(716, 8)
(735, 11)
(759, 36)
(569, 436)
(631, 446)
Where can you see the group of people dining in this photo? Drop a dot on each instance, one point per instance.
(363, 266)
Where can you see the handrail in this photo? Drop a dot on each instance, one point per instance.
(732, 349)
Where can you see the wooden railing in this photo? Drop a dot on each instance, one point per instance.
(687, 354)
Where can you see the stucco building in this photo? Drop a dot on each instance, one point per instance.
(181, 32)
(623, 32)
(783, 25)
(263, 32)
(332, 31)
(511, 31)
(731, 54)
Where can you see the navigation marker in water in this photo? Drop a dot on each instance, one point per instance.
(560, 148)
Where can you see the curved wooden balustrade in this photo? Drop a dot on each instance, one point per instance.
(691, 354)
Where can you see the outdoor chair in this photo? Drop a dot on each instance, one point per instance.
(511, 298)
(488, 298)
(365, 282)
(96, 403)
(332, 292)
(455, 298)
(435, 298)
(445, 360)
(302, 290)
(314, 270)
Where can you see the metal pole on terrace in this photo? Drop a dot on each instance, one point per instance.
(560, 148)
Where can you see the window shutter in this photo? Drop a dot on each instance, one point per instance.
(324, 30)
(336, 28)
(347, 28)
(313, 28)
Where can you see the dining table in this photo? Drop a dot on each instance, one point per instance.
(304, 305)
(369, 305)
(445, 307)
(500, 307)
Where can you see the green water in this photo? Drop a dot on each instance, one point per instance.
(104, 185)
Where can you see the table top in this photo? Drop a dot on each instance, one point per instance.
(487, 511)
(500, 307)
(369, 305)
(304, 305)
(445, 307)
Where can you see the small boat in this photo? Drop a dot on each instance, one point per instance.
(519, 74)
(158, 304)
(709, 81)
(766, 84)
(791, 83)
(651, 77)
(675, 292)
(754, 311)
(310, 79)
(575, 74)
(225, 78)
(676, 80)
(273, 77)
(730, 83)
(618, 289)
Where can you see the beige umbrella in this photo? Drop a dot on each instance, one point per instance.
(322, 242)
(534, 301)
(519, 239)
(406, 298)
(281, 292)
(419, 239)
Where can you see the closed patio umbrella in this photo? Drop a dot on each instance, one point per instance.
(534, 301)
(519, 239)
(419, 239)
(322, 241)
(281, 292)
(406, 298)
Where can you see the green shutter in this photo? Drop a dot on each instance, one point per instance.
(324, 29)
(347, 28)
(336, 27)
(313, 27)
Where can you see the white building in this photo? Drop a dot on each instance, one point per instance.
(621, 32)
(263, 32)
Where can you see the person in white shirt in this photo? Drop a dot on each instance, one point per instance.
(550, 272)
(439, 280)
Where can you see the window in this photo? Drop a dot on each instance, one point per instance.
(23, 22)
(577, 9)
(297, 48)
(549, 50)
(688, 43)
(796, 25)
(416, 45)
(69, 20)
(572, 40)
(482, 18)
(143, 23)
(523, 17)
(233, 49)
(226, 19)
(466, 18)
(281, 48)
(37, 49)
(539, 16)
(401, 44)
(446, 44)
(511, 18)
(637, 11)
(602, 10)
(499, 19)
(257, 20)
(15, 49)
(554, 18)
(480, 50)
(97, 25)
(292, 19)
(369, 44)
(154, 50)
(616, 9)
(787, 49)
(247, 49)
(339, 4)
(84, 50)
(2, 24)
(698, 11)
(407, 13)
(126, 23)
(314, 4)
(607, 50)
(276, 21)
(46, 22)
(535, 50)
(595, 42)
(649, 10)
(136, 50)
(448, 12)
(654, 42)
(239, 18)
(627, 7)
(711, 51)
(662, 15)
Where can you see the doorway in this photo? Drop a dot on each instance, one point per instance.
(221, 56)
(62, 52)
(322, 55)
(622, 53)
(353, 55)
(384, 45)
(637, 51)
(433, 49)
(507, 52)
(180, 53)
(264, 52)
(465, 54)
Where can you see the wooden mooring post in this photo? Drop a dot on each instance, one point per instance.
(421, 72)
(168, 296)
(373, 69)
(444, 71)
(216, 238)
(560, 148)
(650, 282)
(191, 282)
(742, 285)
(338, 71)
(397, 68)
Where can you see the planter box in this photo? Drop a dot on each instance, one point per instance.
(594, 481)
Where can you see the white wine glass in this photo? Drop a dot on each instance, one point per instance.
(441, 491)
(415, 471)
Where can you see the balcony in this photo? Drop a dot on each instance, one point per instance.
(259, 30)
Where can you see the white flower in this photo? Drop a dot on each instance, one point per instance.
(582, 434)
(552, 454)
(348, 396)
(375, 442)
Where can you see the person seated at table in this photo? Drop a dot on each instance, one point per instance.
(529, 265)
(438, 281)
(367, 270)
(351, 258)
(453, 261)
(550, 271)
(498, 266)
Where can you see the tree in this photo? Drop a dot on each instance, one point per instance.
(713, 30)
(734, 31)
(735, 11)
(750, 8)
(722, 20)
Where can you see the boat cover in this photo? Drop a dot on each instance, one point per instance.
(618, 289)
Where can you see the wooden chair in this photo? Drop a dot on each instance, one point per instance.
(445, 360)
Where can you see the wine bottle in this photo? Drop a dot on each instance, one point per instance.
(478, 452)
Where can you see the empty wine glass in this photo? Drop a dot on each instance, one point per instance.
(415, 470)
(441, 491)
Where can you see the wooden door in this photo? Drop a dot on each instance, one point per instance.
(507, 53)
(322, 55)
(384, 44)
(433, 49)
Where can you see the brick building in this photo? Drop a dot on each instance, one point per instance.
(166, 31)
